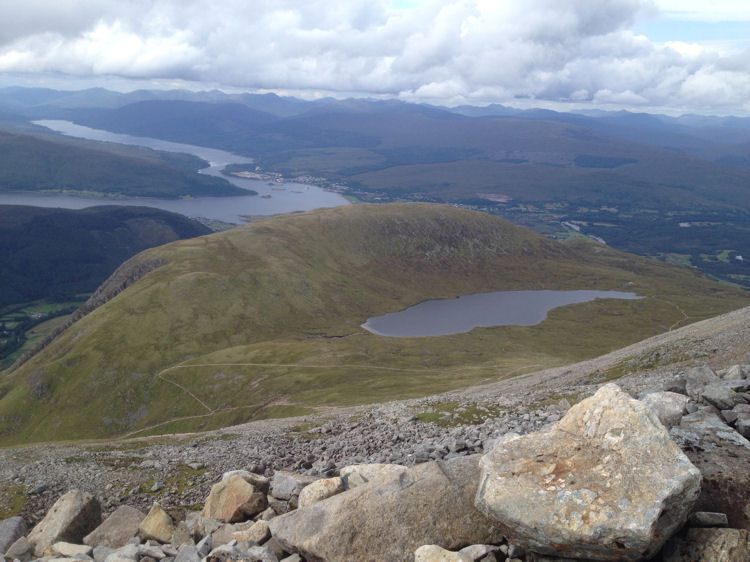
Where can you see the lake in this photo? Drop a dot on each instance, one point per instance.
(286, 197)
(500, 308)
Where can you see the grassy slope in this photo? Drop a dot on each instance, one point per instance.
(37, 163)
(264, 320)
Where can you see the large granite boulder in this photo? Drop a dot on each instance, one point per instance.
(73, 516)
(233, 500)
(431, 503)
(606, 482)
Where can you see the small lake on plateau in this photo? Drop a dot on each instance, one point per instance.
(500, 308)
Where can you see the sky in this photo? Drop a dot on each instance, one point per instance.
(669, 56)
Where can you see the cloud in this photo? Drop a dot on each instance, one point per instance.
(444, 51)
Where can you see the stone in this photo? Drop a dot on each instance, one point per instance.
(479, 551)
(742, 425)
(117, 529)
(431, 503)
(606, 482)
(705, 429)
(127, 553)
(720, 396)
(11, 530)
(235, 552)
(360, 474)
(234, 500)
(223, 535)
(676, 385)
(708, 519)
(181, 536)
(292, 558)
(320, 490)
(284, 485)
(100, 553)
(434, 553)
(67, 549)
(733, 373)
(260, 482)
(21, 550)
(73, 516)
(708, 545)
(187, 553)
(729, 416)
(204, 546)
(157, 525)
(258, 533)
(669, 407)
(697, 378)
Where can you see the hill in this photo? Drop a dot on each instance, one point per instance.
(264, 321)
(46, 163)
(46, 252)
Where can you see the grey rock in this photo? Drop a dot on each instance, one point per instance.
(157, 525)
(11, 530)
(182, 535)
(116, 529)
(73, 516)
(284, 485)
(669, 407)
(204, 546)
(233, 500)
(320, 490)
(187, 553)
(100, 553)
(431, 503)
(478, 551)
(21, 550)
(697, 378)
(743, 425)
(259, 481)
(729, 416)
(733, 373)
(705, 429)
(605, 482)
(708, 519)
(708, 545)
(720, 396)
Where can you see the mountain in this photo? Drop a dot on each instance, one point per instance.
(46, 252)
(674, 188)
(264, 320)
(31, 162)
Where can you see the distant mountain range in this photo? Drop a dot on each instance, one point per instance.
(263, 320)
(676, 188)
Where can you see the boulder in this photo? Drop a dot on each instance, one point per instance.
(258, 533)
(116, 529)
(606, 482)
(697, 378)
(21, 550)
(708, 545)
(708, 519)
(721, 396)
(320, 490)
(434, 553)
(285, 485)
(234, 499)
(73, 516)
(431, 503)
(68, 550)
(187, 553)
(10, 531)
(360, 474)
(260, 482)
(733, 373)
(157, 525)
(669, 407)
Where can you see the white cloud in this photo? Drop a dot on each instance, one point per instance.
(445, 51)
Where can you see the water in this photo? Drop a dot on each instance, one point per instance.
(279, 198)
(462, 314)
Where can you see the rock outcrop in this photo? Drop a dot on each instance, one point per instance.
(606, 482)
(72, 517)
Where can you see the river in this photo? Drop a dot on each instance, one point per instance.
(273, 199)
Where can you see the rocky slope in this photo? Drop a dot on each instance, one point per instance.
(178, 471)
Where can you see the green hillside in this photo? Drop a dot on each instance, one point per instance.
(264, 320)
(47, 163)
